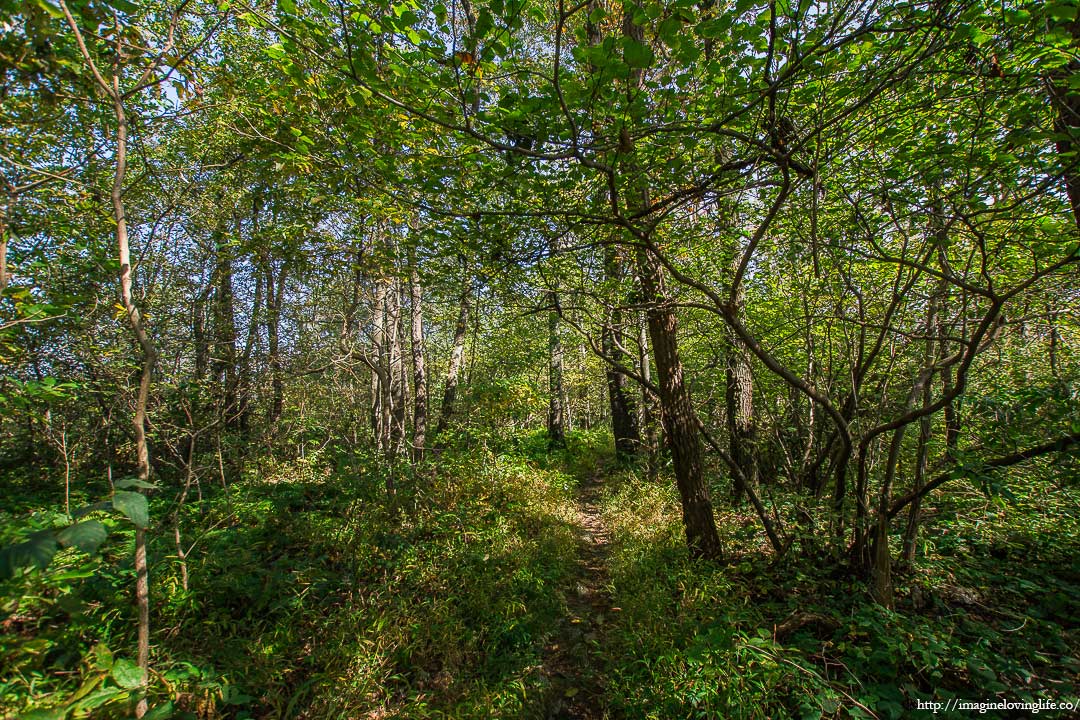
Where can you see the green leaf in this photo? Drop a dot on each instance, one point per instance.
(1062, 12)
(38, 550)
(87, 536)
(51, 8)
(133, 505)
(54, 713)
(133, 482)
(124, 6)
(97, 698)
(104, 657)
(160, 712)
(127, 674)
(636, 54)
(83, 511)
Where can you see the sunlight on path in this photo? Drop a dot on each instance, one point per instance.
(570, 657)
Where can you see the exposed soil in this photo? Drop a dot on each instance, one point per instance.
(572, 662)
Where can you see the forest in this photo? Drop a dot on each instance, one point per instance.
(554, 359)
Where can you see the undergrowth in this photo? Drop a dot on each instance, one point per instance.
(312, 593)
(989, 613)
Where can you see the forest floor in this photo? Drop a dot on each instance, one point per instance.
(515, 581)
(571, 663)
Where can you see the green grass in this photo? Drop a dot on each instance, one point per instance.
(315, 595)
(994, 614)
(312, 594)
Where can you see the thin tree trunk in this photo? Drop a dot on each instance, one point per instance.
(457, 357)
(149, 357)
(224, 315)
(5, 210)
(934, 324)
(274, 289)
(649, 402)
(420, 389)
(1066, 101)
(556, 420)
(146, 345)
(395, 370)
(740, 407)
(623, 420)
(380, 415)
(244, 369)
(198, 333)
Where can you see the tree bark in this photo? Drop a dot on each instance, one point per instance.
(677, 413)
(740, 403)
(380, 392)
(395, 356)
(112, 90)
(223, 357)
(274, 289)
(420, 389)
(5, 210)
(556, 420)
(1066, 101)
(457, 359)
(649, 402)
(623, 415)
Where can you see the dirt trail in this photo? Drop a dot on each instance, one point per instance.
(571, 661)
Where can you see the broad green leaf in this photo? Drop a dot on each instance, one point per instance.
(127, 674)
(87, 535)
(50, 7)
(160, 712)
(636, 54)
(38, 550)
(97, 698)
(133, 505)
(104, 657)
(125, 6)
(133, 482)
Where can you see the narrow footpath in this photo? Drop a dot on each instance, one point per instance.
(572, 662)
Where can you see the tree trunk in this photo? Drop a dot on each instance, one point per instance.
(198, 333)
(649, 402)
(5, 210)
(380, 395)
(677, 413)
(395, 357)
(420, 389)
(556, 420)
(623, 415)
(223, 357)
(244, 373)
(149, 357)
(933, 345)
(274, 289)
(676, 410)
(1066, 101)
(740, 408)
(457, 358)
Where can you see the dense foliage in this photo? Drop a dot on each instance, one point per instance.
(499, 358)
